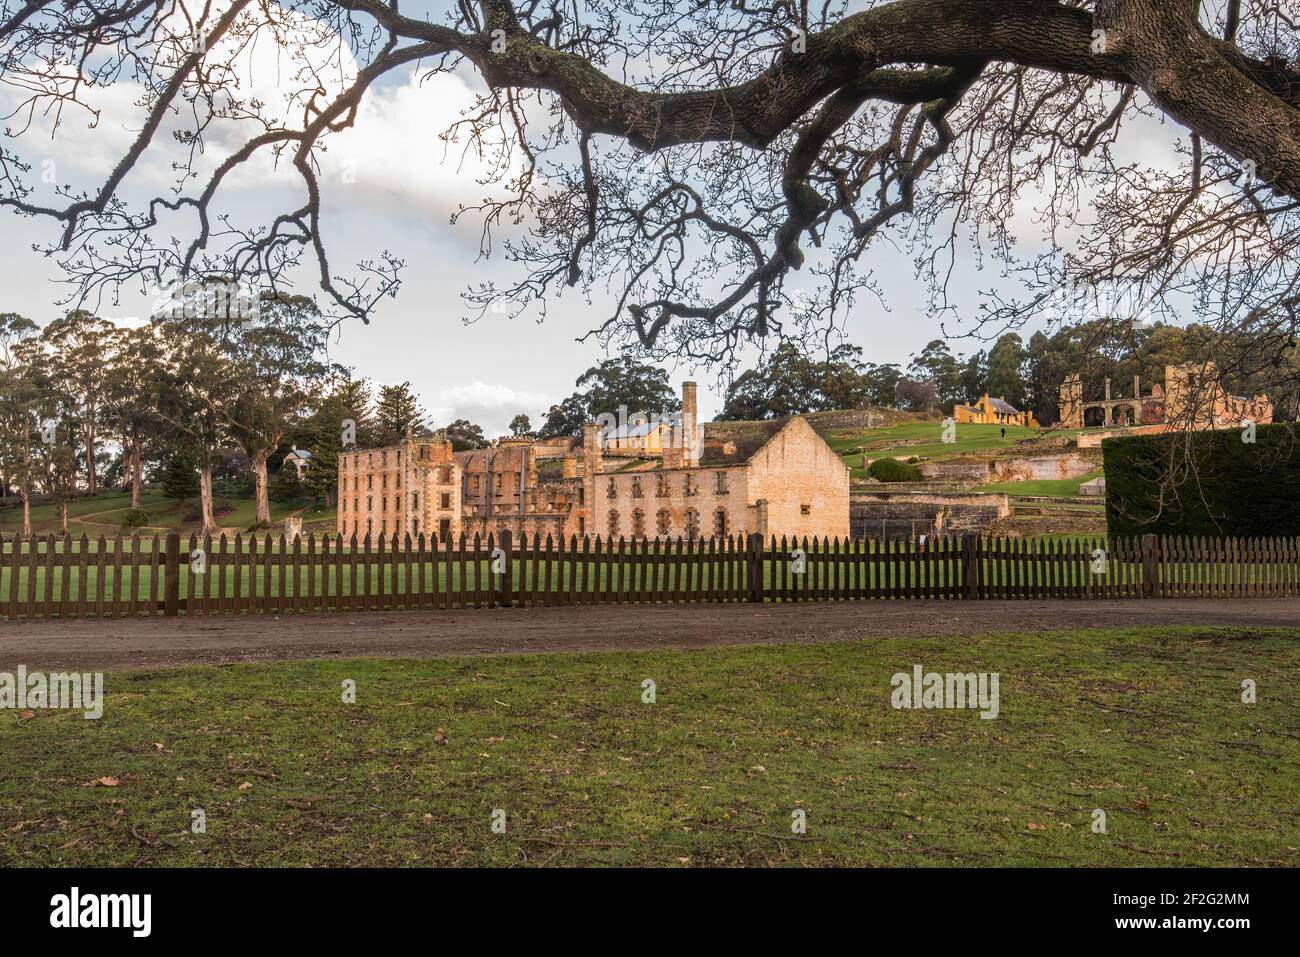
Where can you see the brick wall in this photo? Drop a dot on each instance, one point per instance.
(804, 483)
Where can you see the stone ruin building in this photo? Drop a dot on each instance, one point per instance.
(774, 478)
(1192, 395)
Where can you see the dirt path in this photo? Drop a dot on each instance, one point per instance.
(107, 645)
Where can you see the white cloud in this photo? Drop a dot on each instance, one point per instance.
(491, 406)
(391, 157)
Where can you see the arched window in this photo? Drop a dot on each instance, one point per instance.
(692, 524)
(613, 523)
(720, 522)
(638, 523)
(664, 521)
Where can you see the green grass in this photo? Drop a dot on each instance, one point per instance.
(103, 514)
(969, 438)
(1146, 725)
(1063, 488)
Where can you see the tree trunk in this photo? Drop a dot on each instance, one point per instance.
(27, 487)
(263, 496)
(63, 508)
(205, 495)
(91, 483)
(137, 475)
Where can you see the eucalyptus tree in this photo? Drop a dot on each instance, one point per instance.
(133, 384)
(197, 392)
(19, 349)
(81, 349)
(276, 364)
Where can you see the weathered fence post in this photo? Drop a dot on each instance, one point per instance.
(970, 565)
(1150, 567)
(172, 575)
(754, 568)
(505, 584)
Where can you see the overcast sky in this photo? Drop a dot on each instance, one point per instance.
(388, 184)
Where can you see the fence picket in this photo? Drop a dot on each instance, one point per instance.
(57, 576)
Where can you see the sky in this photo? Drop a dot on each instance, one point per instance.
(390, 184)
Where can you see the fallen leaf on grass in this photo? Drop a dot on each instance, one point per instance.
(106, 782)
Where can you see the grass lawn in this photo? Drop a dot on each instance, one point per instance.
(1146, 725)
(103, 514)
(1064, 488)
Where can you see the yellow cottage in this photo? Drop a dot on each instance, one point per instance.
(990, 411)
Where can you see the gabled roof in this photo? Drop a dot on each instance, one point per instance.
(640, 430)
(1000, 406)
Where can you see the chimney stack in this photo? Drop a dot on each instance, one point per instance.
(592, 462)
(690, 443)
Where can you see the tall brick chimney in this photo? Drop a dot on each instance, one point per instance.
(592, 462)
(690, 417)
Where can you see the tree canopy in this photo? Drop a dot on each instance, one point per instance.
(621, 382)
(690, 157)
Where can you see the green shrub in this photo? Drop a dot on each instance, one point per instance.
(135, 518)
(892, 470)
(1209, 483)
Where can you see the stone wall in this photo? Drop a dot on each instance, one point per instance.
(960, 471)
(1092, 440)
(1039, 467)
(1010, 469)
(902, 514)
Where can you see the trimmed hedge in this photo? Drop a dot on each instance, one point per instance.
(892, 470)
(1222, 485)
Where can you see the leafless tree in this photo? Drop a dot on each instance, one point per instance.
(689, 155)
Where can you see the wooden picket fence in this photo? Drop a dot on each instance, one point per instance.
(66, 578)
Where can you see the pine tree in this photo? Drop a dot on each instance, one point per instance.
(397, 411)
(181, 480)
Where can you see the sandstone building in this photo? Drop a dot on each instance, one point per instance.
(991, 411)
(1192, 396)
(773, 478)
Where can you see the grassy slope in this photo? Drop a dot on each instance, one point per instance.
(970, 438)
(1145, 724)
(102, 515)
(1065, 488)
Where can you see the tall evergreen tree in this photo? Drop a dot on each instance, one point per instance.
(180, 480)
(397, 412)
(1006, 376)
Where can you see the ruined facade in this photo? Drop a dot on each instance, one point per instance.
(1192, 396)
(775, 477)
